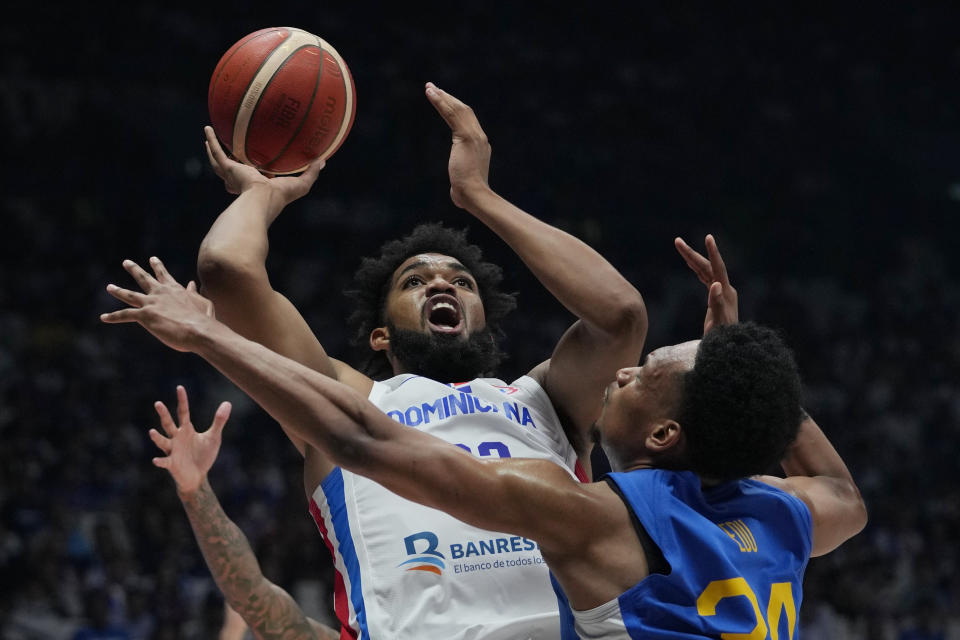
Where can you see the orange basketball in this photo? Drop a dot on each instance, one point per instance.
(281, 97)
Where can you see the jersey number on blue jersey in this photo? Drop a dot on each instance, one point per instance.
(781, 601)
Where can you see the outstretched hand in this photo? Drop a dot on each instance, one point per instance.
(238, 177)
(188, 454)
(168, 310)
(721, 296)
(469, 164)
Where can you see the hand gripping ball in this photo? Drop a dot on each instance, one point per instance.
(281, 97)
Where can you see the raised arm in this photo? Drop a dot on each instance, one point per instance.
(817, 475)
(612, 321)
(269, 611)
(232, 266)
(815, 472)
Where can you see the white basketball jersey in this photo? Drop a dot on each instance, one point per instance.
(405, 571)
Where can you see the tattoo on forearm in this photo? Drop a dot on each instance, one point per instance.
(269, 611)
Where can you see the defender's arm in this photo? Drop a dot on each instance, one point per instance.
(269, 611)
(534, 498)
(266, 608)
(817, 475)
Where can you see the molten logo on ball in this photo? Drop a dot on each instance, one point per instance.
(323, 130)
(281, 97)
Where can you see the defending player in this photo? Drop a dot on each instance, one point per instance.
(678, 540)
(268, 610)
(429, 307)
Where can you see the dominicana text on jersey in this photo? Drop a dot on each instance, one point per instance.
(409, 571)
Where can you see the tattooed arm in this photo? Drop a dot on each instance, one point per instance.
(269, 610)
(266, 608)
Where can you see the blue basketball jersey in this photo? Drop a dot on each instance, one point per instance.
(736, 554)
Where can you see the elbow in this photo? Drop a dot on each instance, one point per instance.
(629, 317)
(855, 516)
(859, 516)
(220, 269)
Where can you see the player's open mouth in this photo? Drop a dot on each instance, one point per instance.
(443, 314)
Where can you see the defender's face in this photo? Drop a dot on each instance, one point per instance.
(434, 293)
(641, 397)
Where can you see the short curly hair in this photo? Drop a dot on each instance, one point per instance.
(372, 284)
(740, 405)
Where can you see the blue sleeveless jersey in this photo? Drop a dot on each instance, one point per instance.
(736, 552)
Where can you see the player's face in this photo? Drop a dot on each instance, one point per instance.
(642, 397)
(434, 293)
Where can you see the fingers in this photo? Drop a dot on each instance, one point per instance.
(164, 444)
(716, 312)
(135, 299)
(166, 420)
(438, 99)
(163, 463)
(697, 263)
(458, 116)
(220, 417)
(183, 406)
(210, 157)
(715, 298)
(208, 304)
(132, 298)
(144, 279)
(716, 262)
(722, 301)
(309, 176)
(160, 271)
(214, 151)
(120, 316)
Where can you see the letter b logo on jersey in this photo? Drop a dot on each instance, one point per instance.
(427, 536)
(427, 558)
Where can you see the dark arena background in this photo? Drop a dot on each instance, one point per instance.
(821, 148)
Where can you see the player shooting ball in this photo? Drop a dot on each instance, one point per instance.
(685, 536)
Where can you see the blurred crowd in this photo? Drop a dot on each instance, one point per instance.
(821, 149)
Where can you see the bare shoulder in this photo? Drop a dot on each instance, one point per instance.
(349, 376)
(797, 486)
(608, 559)
(539, 372)
(774, 481)
(595, 516)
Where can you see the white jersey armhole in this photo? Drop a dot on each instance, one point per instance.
(603, 622)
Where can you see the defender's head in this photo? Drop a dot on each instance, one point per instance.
(725, 407)
(430, 304)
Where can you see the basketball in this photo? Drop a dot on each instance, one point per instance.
(281, 97)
